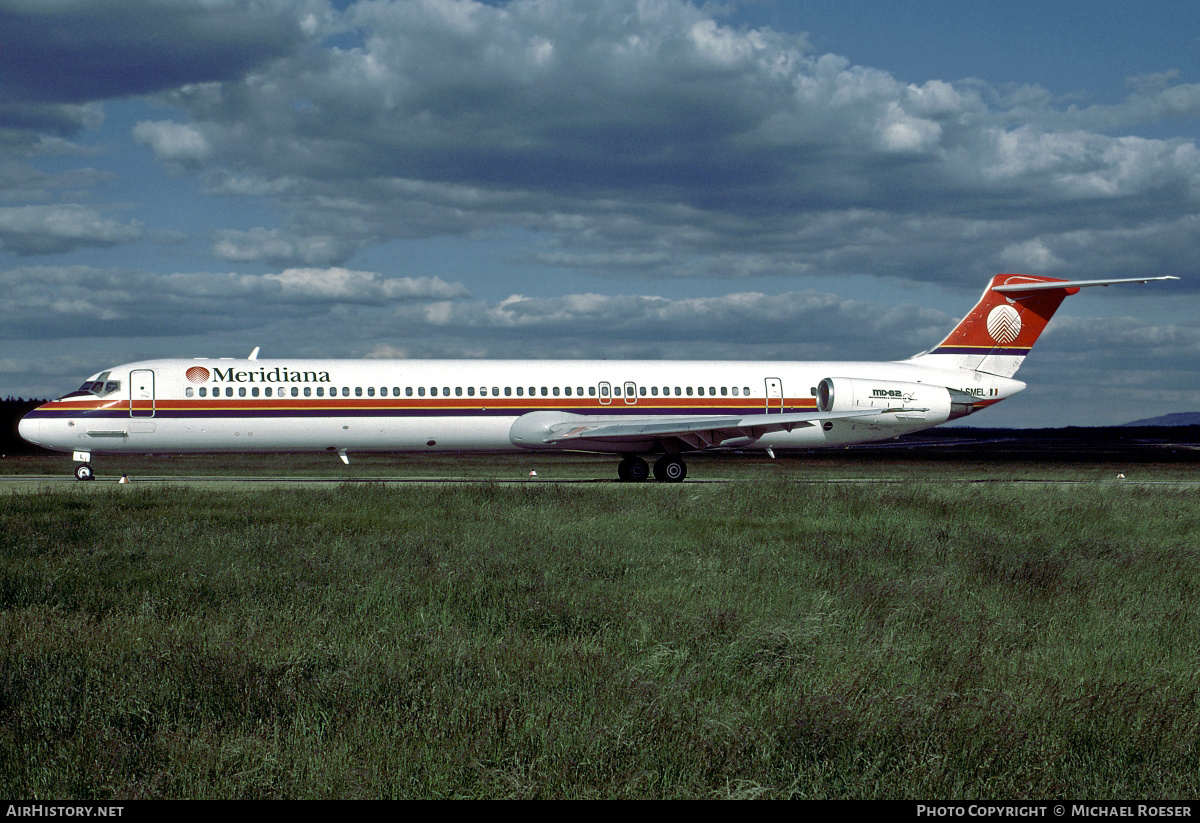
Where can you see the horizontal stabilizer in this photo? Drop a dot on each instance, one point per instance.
(1073, 284)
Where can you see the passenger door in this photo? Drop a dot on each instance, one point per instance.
(141, 393)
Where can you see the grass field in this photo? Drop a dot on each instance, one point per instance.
(760, 638)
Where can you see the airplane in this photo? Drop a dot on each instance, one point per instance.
(624, 407)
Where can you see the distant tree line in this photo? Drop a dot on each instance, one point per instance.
(12, 409)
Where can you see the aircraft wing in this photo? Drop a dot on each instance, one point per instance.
(694, 432)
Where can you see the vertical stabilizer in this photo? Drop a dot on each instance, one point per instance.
(998, 333)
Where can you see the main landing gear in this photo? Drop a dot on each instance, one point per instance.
(667, 469)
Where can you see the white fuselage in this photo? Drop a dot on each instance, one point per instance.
(230, 405)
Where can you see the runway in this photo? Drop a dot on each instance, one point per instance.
(24, 483)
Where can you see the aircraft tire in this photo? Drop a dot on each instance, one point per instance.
(84, 472)
(670, 470)
(633, 470)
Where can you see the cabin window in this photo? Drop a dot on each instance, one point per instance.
(203, 392)
(241, 391)
(520, 391)
(654, 390)
(508, 391)
(267, 391)
(555, 391)
(321, 391)
(679, 391)
(495, 391)
(712, 391)
(616, 391)
(700, 391)
(689, 391)
(187, 392)
(724, 391)
(746, 390)
(420, 391)
(642, 391)
(458, 391)
(254, 392)
(295, 392)
(307, 391)
(604, 391)
(445, 391)
(408, 391)
(567, 391)
(591, 391)
(470, 391)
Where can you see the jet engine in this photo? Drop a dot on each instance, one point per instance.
(908, 401)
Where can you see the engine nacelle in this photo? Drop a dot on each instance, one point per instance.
(907, 401)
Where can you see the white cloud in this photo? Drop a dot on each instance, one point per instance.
(48, 229)
(280, 248)
(650, 137)
(337, 284)
(173, 142)
(46, 301)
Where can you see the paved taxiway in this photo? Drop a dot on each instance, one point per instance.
(34, 482)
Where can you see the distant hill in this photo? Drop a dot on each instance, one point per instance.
(1177, 419)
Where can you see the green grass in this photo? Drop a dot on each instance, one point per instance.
(753, 639)
(506, 467)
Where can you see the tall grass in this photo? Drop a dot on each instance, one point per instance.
(481, 640)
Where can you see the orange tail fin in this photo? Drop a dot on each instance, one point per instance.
(998, 333)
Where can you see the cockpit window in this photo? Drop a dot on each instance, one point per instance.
(101, 386)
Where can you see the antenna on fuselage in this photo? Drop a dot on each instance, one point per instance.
(253, 354)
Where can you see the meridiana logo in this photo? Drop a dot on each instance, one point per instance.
(199, 374)
(1004, 324)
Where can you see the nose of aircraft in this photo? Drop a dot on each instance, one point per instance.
(31, 430)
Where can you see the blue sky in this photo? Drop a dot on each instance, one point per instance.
(800, 180)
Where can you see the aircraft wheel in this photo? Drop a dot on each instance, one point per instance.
(633, 469)
(670, 470)
(84, 472)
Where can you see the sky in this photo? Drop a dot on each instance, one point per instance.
(805, 180)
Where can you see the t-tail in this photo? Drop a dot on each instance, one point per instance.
(998, 333)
